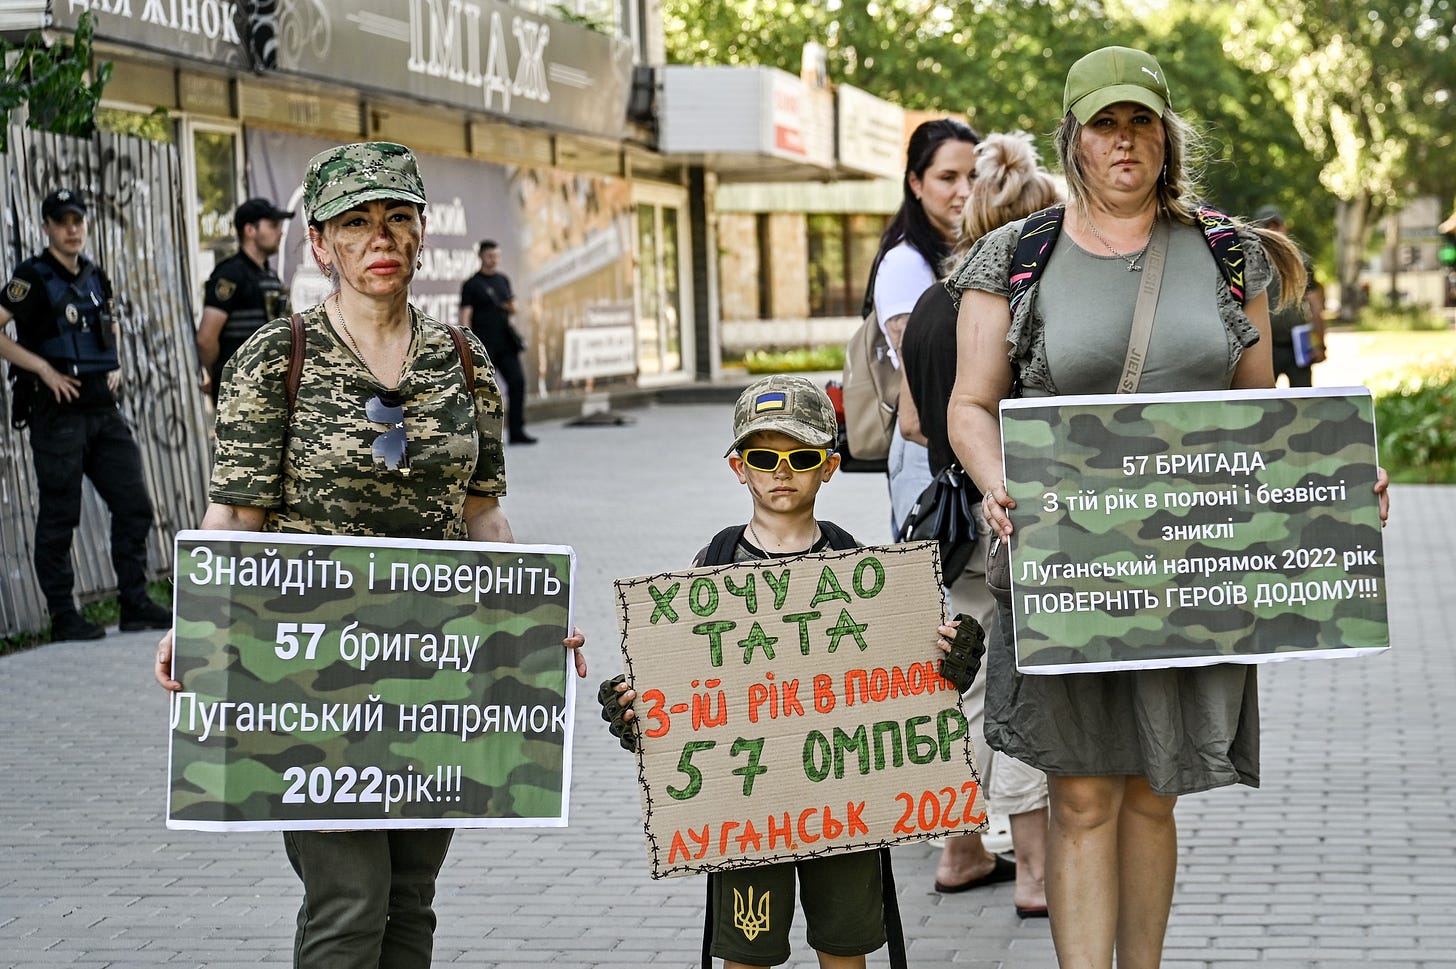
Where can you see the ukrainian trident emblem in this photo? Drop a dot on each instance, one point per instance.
(746, 918)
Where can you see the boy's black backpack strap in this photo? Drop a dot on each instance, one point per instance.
(708, 925)
(894, 930)
(1222, 237)
(839, 539)
(1038, 236)
(721, 548)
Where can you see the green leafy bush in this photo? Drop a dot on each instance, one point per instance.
(51, 80)
(803, 360)
(1416, 420)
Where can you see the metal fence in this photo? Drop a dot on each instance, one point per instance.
(134, 188)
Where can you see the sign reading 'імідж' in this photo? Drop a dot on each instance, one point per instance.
(793, 708)
(1156, 530)
(334, 682)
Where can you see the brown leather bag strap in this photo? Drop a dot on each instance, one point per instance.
(296, 343)
(467, 363)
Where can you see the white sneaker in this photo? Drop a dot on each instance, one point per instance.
(997, 838)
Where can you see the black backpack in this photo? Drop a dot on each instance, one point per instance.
(1040, 232)
(720, 552)
(720, 549)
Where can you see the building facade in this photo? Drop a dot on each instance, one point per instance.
(553, 128)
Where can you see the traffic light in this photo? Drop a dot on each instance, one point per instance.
(1447, 252)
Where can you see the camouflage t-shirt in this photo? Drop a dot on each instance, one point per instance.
(319, 473)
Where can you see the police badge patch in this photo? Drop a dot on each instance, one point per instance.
(16, 289)
(225, 289)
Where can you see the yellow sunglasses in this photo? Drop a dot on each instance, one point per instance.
(800, 459)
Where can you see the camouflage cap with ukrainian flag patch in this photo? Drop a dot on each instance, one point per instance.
(789, 404)
(345, 176)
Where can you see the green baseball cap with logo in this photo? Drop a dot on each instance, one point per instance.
(345, 176)
(1111, 75)
(789, 404)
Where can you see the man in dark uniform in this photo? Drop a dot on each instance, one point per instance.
(243, 292)
(486, 305)
(67, 372)
(1282, 322)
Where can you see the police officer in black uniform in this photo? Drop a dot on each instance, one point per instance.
(243, 292)
(65, 374)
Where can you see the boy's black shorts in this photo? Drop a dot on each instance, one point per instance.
(842, 897)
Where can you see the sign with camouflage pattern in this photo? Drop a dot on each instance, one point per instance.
(793, 708)
(335, 682)
(1156, 530)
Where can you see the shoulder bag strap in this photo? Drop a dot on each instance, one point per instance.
(467, 363)
(1142, 314)
(296, 341)
(867, 306)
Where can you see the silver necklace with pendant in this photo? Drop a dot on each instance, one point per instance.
(1132, 259)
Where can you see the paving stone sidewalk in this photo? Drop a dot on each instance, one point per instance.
(1345, 857)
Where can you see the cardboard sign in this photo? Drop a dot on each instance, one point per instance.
(1156, 530)
(334, 682)
(793, 707)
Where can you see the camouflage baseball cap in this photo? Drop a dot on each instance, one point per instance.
(792, 405)
(343, 177)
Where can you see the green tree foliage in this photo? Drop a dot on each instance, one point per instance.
(1369, 86)
(1331, 109)
(1255, 155)
(52, 82)
(999, 63)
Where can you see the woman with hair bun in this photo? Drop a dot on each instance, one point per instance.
(1008, 183)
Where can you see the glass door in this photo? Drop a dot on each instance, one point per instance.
(213, 195)
(662, 284)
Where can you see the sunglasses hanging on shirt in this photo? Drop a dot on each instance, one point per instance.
(390, 447)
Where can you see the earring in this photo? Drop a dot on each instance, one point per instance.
(419, 262)
(328, 271)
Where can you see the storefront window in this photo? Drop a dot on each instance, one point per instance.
(827, 277)
(215, 154)
(154, 126)
(841, 251)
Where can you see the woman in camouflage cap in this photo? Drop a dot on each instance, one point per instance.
(385, 435)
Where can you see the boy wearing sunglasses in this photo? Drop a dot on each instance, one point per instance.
(783, 437)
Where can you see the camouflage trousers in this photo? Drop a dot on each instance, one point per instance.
(367, 897)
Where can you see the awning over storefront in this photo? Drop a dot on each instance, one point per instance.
(761, 124)
(485, 56)
(746, 123)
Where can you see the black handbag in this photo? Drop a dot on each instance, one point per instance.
(944, 513)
